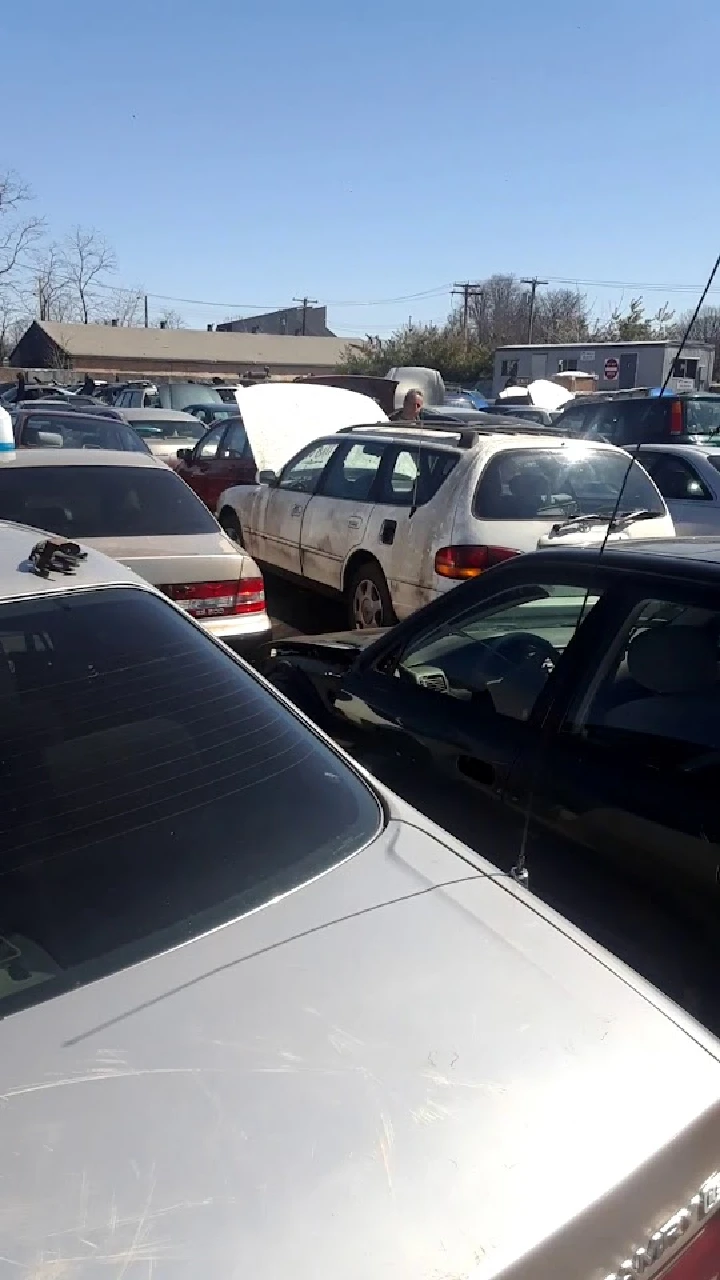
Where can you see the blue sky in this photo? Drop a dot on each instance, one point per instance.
(243, 160)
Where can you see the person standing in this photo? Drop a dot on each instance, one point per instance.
(412, 405)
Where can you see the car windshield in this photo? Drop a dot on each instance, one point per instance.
(575, 480)
(102, 502)
(185, 393)
(166, 429)
(151, 790)
(703, 416)
(72, 431)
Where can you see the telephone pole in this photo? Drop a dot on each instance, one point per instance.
(306, 302)
(145, 309)
(468, 291)
(533, 282)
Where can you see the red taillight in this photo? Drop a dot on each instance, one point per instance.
(676, 418)
(469, 561)
(219, 599)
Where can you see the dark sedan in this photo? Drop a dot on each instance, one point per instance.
(48, 426)
(576, 692)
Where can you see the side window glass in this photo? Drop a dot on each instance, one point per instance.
(236, 442)
(675, 478)
(209, 445)
(352, 472)
(575, 421)
(658, 691)
(302, 474)
(414, 475)
(500, 654)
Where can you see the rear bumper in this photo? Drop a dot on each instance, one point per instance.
(245, 635)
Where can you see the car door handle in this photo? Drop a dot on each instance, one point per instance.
(297, 511)
(354, 522)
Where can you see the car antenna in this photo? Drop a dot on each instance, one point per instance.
(519, 872)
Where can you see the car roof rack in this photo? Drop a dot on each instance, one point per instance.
(467, 433)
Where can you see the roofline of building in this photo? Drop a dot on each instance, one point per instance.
(588, 345)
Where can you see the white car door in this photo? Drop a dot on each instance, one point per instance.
(336, 520)
(278, 519)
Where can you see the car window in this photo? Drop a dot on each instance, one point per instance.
(676, 478)
(102, 502)
(576, 479)
(413, 475)
(235, 444)
(210, 444)
(658, 690)
(574, 420)
(631, 421)
(182, 393)
(131, 743)
(499, 653)
(702, 417)
(168, 429)
(303, 472)
(72, 431)
(148, 400)
(352, 472)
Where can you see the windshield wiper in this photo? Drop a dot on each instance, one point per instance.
(620, 521)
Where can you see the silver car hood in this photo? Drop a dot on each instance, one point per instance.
(404, 1069)
(197, 557)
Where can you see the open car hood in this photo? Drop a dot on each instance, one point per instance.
(282, 417)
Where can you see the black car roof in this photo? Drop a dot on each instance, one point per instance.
(691, 556)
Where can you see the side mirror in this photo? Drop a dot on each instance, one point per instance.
(267, 477)
(184, 455)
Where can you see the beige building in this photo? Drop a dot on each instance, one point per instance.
(105, 350)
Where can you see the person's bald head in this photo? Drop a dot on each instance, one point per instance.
(412, 404)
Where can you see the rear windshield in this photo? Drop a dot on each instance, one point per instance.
(151, 790)
(102, 502)
(71, 431)
(184, 393)
(702, 417)
(532, 484)
(157, 429)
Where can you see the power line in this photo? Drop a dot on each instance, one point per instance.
(533, 282)
(306, 302)
(466, 291)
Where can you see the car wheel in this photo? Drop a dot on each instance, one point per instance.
(230, 523)
(368, 598)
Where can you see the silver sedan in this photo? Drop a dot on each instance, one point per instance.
(688, 477)
(135, 509)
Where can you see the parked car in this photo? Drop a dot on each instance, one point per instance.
(687, 476)
(340, 1046)
(164, 395)
(221, 458)
(633, 419)
(393, 516)
(209, 414)
(53, 425)
(75, 404)
(580, 689)
(134, 508)
(466, 412)
(165, 430)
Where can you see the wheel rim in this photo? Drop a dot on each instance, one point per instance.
(367, 605)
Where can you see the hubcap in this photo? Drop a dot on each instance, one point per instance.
(367, 605)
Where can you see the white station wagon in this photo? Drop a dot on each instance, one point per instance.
(389, 516)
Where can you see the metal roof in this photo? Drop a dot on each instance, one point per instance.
(17, 580)
(79, 458)
(192, 345)
(589, 345)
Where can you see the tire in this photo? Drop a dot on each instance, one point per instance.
(368, 598)
(230, 523)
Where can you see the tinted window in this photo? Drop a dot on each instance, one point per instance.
(500, 653)
(674, 477)
(530, 484)
(352, 472)
(150, 790)
(702, 417)
(414, 475)
(72, 431)
(235, 444)
(630, 421)
(182, 393)
(157, 429)
(211, 443)
(102, 502)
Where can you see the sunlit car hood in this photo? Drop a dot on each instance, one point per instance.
(401, 1070)
(282, 417)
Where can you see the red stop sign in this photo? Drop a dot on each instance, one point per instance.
(612, 369)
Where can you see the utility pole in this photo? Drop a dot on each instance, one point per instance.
(147, 318)
(306, 302)
(533, 282)
(468, 291)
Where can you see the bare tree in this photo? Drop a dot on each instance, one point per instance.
(48, 294)
(499, 314)
(169, 319)
(124, 307)
(87, 261)
(12, 326)
(18, 231)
